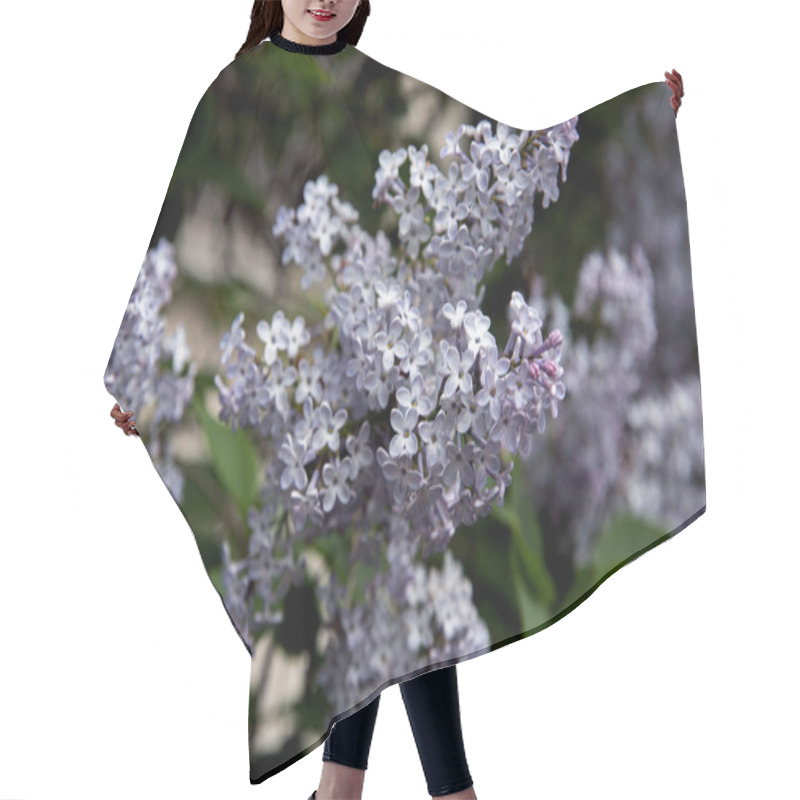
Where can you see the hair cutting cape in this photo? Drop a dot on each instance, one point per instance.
(418, 380)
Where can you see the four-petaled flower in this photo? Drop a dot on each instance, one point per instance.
(335, 475)
(457, 368)
(328, 427)
(294, 456)
(391, 344)
(404, 422)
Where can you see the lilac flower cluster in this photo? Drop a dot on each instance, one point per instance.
(664, 479)
(148, 367)
(415, 615)
(623, 446)
(399, 403)
(631, 437)
(585, 455)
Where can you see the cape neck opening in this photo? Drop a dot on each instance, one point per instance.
(308, 49)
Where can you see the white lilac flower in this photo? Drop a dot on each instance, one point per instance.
(387, 296)
(433, 439)
(456, 367)
(296, 337)
(491, 362)
(419, 354)
(293, 455)
(527, 326)
(390, 344)
(306, 506)
(414, 395)
(408, 314)
(476, 326)
(459, 469)
(358, 363)
(404, 423)
(421, 173)
(282, 379)
(455, 315)
(361, 455)
(470, 417)
(493, 390)
(335, 475)
(328, 426)
(233, 343)
(309, 383)
(274, 336)
(415, 383)
(487, 462)
(388, 173)
(379, 385)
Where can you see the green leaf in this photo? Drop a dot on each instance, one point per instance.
(215, 574)
(234, 458)
(582, 581)
(532, 613)
(528, 546)
(623, 536)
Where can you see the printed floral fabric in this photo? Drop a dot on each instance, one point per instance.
(418, 380)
